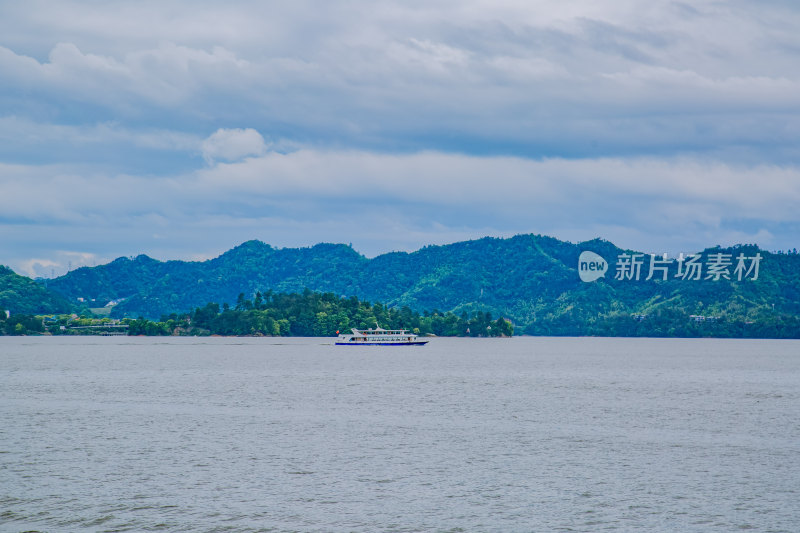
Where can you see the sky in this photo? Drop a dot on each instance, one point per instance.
(180, 129)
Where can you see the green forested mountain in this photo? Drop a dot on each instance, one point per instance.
(532, 280)
(21, 295)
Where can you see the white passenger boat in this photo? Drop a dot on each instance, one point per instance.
(379, 337)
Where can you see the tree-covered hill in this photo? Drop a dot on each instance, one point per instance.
(531, 279)
(312, 314)
(21, 295)
(152, 288)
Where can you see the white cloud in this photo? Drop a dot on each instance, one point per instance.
(165, 76)
(35, 268)
(61, 262)
(501, 183)
(22, 130)
(233, 144)
(644, 187)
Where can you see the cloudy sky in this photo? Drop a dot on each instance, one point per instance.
(180, 129)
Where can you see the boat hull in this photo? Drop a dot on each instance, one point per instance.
(406, 343)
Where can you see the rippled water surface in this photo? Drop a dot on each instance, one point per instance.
(523, 434)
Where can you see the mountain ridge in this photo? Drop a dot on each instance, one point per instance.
(22, 295)
(531, 279)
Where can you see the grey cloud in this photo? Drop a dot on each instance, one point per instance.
(393, 78)
(663, 199)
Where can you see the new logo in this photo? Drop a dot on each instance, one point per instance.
(591, 266)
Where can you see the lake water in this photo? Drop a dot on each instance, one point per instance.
(522, 434)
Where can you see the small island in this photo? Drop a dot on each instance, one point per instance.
(307, 314)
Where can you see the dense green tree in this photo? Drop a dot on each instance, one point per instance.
(314, 314)
(20, 324)
(21, 295)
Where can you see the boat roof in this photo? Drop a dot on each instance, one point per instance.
(381, 331)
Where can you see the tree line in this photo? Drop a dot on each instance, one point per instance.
(324, 314)
(20, 324)
(670, 322)
(312, 314)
